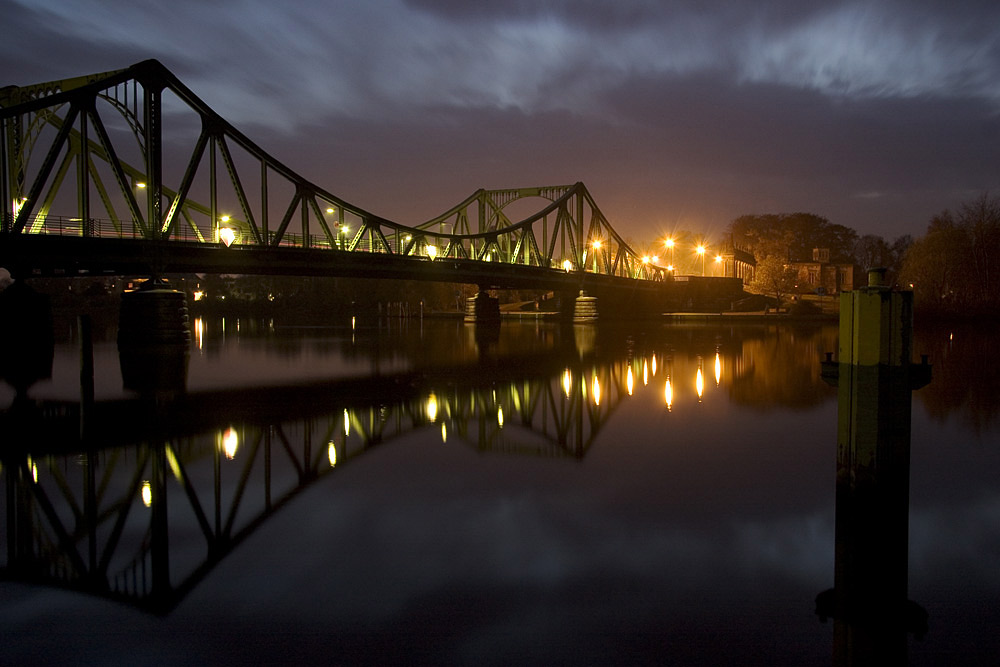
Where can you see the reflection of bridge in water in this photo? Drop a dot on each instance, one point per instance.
(160, 489)
(211, 467)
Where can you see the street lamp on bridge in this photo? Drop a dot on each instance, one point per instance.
(596, 245)
(226, 234)
(701, 251)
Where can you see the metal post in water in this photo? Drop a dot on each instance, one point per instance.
(875, 377)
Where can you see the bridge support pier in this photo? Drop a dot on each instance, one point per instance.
(154, 338)
(585, 308)
(482, 309)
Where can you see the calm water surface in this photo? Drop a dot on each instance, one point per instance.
(425, 493)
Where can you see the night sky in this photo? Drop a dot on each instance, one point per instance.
(676, 115)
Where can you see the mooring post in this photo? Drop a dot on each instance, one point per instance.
(874, 376)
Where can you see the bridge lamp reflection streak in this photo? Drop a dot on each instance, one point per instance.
(567, 382)
(175, 467)
(229, 442)
(147, 493)
(199, 333)
(668, 394)
(431, 407)
(331, 454)
(718, 369)
(629, 382)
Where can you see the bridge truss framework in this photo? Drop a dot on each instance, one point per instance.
(135, 154)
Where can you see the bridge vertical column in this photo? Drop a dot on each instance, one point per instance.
(83, 175)
(154, 154)
(6, 167)
(482, 309)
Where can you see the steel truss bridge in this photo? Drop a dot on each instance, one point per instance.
(211, 468)
(130, 172)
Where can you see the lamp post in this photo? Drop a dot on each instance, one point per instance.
(670, 246)
(701, 251)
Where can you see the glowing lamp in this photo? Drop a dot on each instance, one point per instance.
(227, 235)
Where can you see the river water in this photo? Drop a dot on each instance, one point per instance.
(422, 492)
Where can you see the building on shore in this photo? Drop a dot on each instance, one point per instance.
(823, 276)
(735, 262)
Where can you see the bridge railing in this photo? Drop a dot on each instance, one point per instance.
(427, 245)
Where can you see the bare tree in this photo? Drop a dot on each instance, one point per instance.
(981, 221)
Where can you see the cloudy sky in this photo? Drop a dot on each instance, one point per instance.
(675, 114)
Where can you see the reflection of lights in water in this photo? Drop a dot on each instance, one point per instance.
(444, 432)
(699, 383)
(331, 453)
(629, 381)
(500, 416)
(147, 493)
(347, 423)
(654, 365)
(353, 323)
(34, 470)
(567, 382)
(432, 407)
(718, 369)
(645, 373)
(199, 332)
(668, 394)
(597, 391)
(230, 442)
